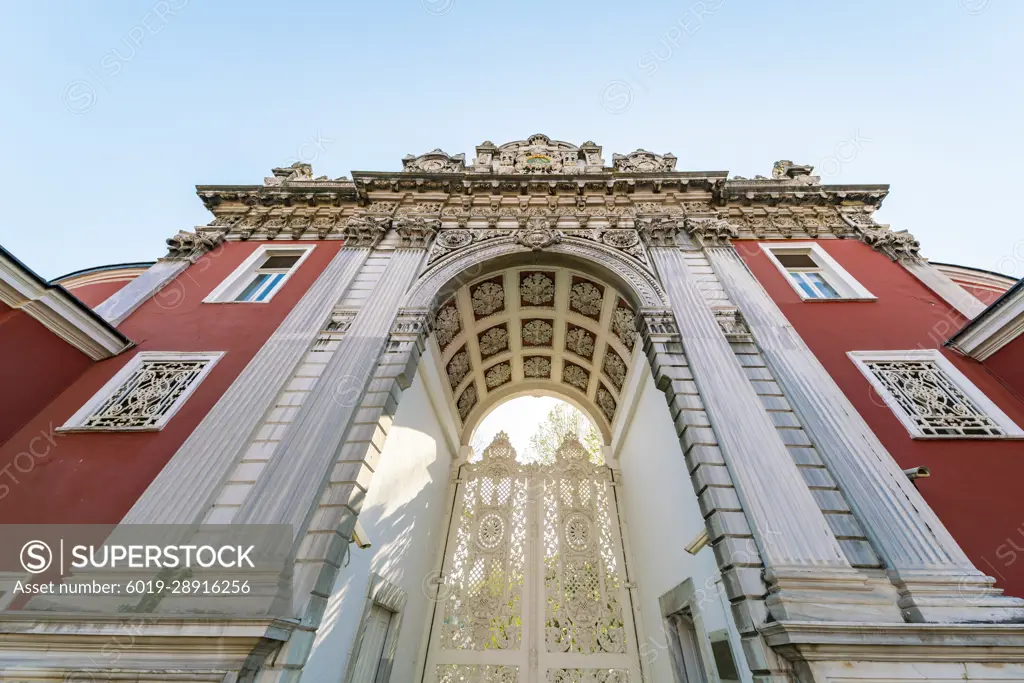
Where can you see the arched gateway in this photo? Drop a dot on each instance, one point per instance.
(744, 521)
(534, 584)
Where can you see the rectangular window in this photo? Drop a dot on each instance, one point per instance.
(813, 273)
(931, 397)
(145, 393)
(261, 276)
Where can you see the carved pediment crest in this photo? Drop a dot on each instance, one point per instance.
(297, 171)
(538, 154)
(436, 161)
(642, 161)
(785, 170)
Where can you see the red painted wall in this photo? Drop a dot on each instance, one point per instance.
(986, 296)
(92, 295)
(35, 366)
(1008, 364)
(975, 484)
(96, 477)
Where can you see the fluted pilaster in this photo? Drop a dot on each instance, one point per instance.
(188, 484)
(936, 580)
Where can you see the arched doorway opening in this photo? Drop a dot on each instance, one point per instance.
(534, 580)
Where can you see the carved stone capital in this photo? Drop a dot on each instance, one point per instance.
(365, 231)
(899, 246)
(732, 324)
(189, 246)
(657, 325)
(658, 231)
(711, 232)
(416, 231)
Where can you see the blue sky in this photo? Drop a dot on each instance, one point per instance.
(115, 110)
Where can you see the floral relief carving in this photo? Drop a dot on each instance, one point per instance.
(606, 402)
(624, 325)
(458, 367)
(497, 375)
(488, 298)
(537, 367)
(575, 376)
(585, 298)
(448, 324)
(493, 341)
(580, 341)
(537, 289)
(537, 332)
(467, 401)
(614, 368)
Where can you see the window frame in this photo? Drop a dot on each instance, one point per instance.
(834, 274)
(389, 596)
(235, 283)
(953, 374)
(77, 422)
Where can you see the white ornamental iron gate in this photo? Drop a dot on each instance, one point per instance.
(533, 582)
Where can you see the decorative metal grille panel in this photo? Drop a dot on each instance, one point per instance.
(533, 589)
(147, 396)
(931, 400)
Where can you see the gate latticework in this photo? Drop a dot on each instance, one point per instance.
(533, 586)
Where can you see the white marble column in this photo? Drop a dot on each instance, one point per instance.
(186, 487)
(936, 580)
(804, 565)
(289, 488)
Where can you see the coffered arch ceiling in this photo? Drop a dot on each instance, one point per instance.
(540, 329)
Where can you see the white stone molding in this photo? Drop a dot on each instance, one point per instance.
(319, 555)
(286, 488)
(79, 421)
(949, 291)
(825, 652)
(646, 289)
(936, 580)
(688, 653)
(385, 594)
(41, 646)
(808, 574)
(234, 283)
(975, 395)
(187, 486)
(837, 276)
(1000, 324)
(126, 300)
(58, 311)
